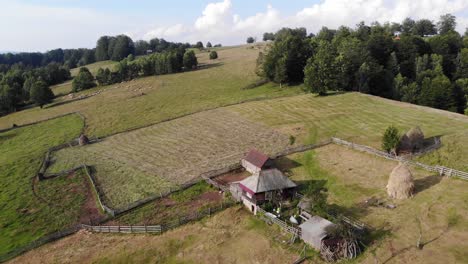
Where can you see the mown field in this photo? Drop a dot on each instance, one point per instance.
(24, 216)
(130, 166)
(438, 211)
(66, 87)
(156, 98)
(231, 236)
(94, 67)
(362, 119)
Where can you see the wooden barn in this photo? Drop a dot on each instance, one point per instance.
(265, 185)
(256, 161)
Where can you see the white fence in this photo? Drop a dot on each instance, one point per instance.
(439, 169)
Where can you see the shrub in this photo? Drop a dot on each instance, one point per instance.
(213, 55)
(84, 80)
(391, 139)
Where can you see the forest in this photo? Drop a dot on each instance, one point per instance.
(419, 62)
(25, 78)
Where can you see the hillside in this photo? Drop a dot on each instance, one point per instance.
(163, 131)
(154, 99)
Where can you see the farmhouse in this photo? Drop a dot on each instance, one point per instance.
(265, 185)
(255, 161)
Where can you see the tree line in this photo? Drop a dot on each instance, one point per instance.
(107, 48)
(419, 62)
(21, 85)
(130, 68)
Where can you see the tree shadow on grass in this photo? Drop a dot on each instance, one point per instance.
(204, 66)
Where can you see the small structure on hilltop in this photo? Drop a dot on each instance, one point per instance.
(314, 230)
(83, 140)
(400, 184)
(266, 185)
(256, 161)
(412, 141)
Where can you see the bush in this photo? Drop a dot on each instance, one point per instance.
(84, 80)
(40, 93)
(391, 139)
(213, 55)
(190, 60)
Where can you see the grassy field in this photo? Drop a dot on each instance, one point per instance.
(132, 165)
(231, 236)
(66, 87)
(62, 89)
(156, 98)
(362, 119)
(23, 216)
(182, 204)
(94, 67)
(439, 206)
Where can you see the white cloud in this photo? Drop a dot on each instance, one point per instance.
(218, 23)
(214, 15)
(37, 27)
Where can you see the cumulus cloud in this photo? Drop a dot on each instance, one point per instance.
(215, 15)
(218, 23)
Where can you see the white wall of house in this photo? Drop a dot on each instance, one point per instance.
(250, 167)
(251, 206)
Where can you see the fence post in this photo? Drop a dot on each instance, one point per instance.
(131, 229)
(146, 230)
(209, 211)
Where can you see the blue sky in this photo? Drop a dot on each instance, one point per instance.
(33, 25)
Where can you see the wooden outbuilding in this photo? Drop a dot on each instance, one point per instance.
(256, 161)
(313, 231)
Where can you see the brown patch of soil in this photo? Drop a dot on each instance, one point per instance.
(237, 175)
(90, 213)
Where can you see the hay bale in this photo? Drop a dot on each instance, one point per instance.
(413, 140)
(400, 184)
(83, 140)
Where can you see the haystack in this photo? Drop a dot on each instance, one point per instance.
(400, 184)
(413, 140)
(83, 140)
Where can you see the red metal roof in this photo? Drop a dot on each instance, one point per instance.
(256, 158)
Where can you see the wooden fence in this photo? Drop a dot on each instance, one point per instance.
(439, 169)
(154, 229)
(158, 229)
(290, 229)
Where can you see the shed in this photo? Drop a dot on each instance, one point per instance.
(313, 231)
(255, 161)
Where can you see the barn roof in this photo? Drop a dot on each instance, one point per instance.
(314, 230)
(267, 180)
(256, 158)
